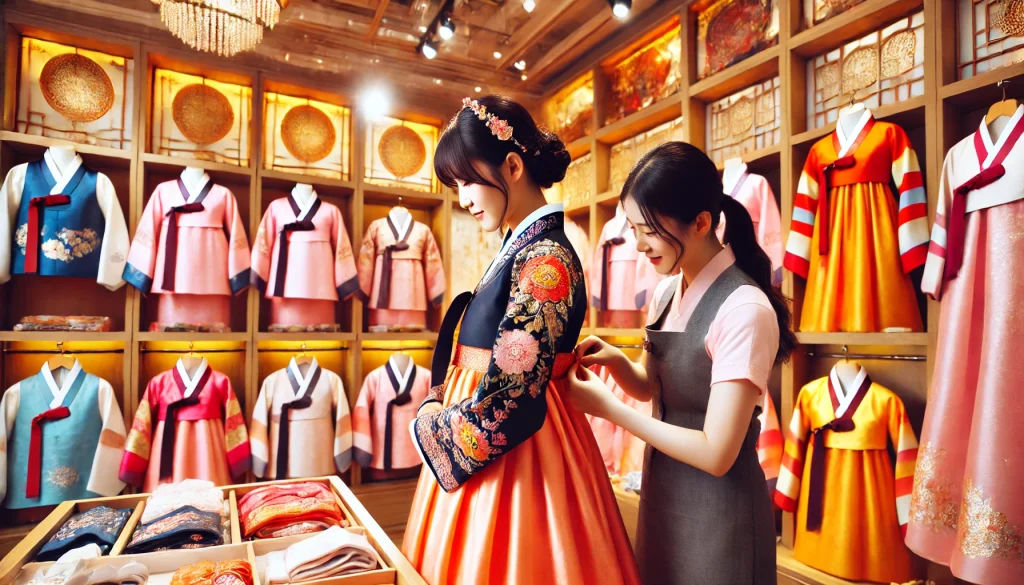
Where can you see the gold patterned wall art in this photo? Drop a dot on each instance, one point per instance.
(75, 94)
(881, 68)
(400, 153)
(645, 76)
(570, 112)
(729, 31)
(990, 34)
(201, 118)
(818, 11)
(745, 121)
(306, 136)
(574, 189)
(625, 154)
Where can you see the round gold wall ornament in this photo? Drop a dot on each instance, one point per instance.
(76, 87)
(402, 151)
(202, 114)
(307, 133)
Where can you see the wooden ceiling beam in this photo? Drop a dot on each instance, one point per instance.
(377, 17)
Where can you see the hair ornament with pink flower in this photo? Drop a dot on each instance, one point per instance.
(498, 127)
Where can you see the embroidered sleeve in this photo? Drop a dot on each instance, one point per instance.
(137, 447)
(141, 265)
(913, 210)
(238, 247)
(931, 281)
(259, 440)
(262, 252)
(508, 406)
(114, 248)
(367, 264)
(787, 489)
(103, 478)
(801, 229)
(433, 268)
(342, 426)
(346, 279)
(236, 439)
(903, 438)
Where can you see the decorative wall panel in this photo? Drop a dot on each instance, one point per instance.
(747, 120)
(306, 136)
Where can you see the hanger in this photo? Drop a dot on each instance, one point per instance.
(1004, 107)
(62, 360)
(302, 359)
(846, 369)
(190, 360)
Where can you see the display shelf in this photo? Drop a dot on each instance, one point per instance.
(301, 337)
(55, 336)
(854, 23)
(980, 91)
(174, 164)
(840, 338)
(793, 572)
(658, 113)
(608, 197)
(767, 158)
(615, 332)
(286, 180)
(737, 77)
(32, 145)
(190, 336)
(399, 336)
(577, 209)
(910, 113)
(579, 147)
(410, 197)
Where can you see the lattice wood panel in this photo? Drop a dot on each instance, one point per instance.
(747, 120)
(990, 34)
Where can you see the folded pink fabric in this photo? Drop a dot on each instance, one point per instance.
(330, 553)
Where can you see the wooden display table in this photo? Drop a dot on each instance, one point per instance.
(394, 569)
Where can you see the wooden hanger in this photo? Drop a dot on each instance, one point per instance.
(1004, 107)
(62, 360)
(302, 359)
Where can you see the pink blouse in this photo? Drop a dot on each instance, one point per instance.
(743, 338)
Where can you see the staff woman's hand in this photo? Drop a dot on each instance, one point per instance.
(596, 351)
(588, 393)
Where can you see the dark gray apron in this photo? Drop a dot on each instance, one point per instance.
(694, 528)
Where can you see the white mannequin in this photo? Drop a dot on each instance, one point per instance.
(400, 214)
(849, 116)
(401, 360)
(302, 192)
(847, 371)
(192, 177)
(734, 167)
(62, 156)
(995, 129)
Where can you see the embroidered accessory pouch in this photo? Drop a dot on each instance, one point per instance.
(99, 526)
(185, 527)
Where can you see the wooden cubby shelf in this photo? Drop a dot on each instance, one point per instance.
(658, 113)
(980, 91)
(399, 336)
(909, 113)
(887, 339)
(410, 197)
(288, 180)
(763, 158)
(579, 147)
(55, 336)
(174, 164)
(35, 145)
(191, 336)
(863, 18)
(739, 76)
(303, 337)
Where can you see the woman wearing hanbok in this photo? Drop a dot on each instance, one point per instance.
(714, 332)
(514, 491)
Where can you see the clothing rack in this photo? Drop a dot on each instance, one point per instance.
(5, 350)
(400, 348)
(869, 356)
(200, 351)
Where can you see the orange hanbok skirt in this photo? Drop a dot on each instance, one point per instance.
(860, 285)
(544, 513)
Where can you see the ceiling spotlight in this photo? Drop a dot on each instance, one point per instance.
(446, 29)
(529, 5)
(423, 29)
(620, 8)
(437, 81)
(477, 89)
(497, 54)
(523, 77)
(428, 50)
(521, 65)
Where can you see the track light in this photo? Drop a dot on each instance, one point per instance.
(620, 8)
(529, 5)
(428, 50)
(520, 65)
(446, 29)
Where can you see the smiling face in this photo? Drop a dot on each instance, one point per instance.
(486, 203)
(664, 253)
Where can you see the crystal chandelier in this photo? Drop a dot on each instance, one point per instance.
(224, 27)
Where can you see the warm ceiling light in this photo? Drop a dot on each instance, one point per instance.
(497, 54)
(428, 50)
(477, 89)
(375, 102)
(521, 65)
(523, 77)
(529, 5)
(620, 8)
(446, 29)
(225, 27)
(423, 29)
(437, 81)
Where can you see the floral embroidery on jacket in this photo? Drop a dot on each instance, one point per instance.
(508, 407)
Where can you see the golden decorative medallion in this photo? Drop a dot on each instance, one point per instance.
(76, 87)
(741, 116)
(307, 133)
(1011, 19)
(860, 69)
(827, 81)
(402, 151)
(202, 114)
(764, 112)
(898, 54)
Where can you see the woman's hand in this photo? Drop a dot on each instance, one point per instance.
(596, 351)
(588, 393)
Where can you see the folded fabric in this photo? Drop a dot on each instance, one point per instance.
(234, 572)
(289, 509)
(333, 552)
(185, 527)
(89, 551)
(99, 526)
(198, 493)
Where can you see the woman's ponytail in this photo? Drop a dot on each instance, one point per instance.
(739, 233)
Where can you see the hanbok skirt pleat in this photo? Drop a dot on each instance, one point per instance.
(859, 285)
(967, 510)
(542, 513)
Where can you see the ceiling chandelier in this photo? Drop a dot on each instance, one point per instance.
(225, 27)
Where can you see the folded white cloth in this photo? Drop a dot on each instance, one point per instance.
(198, 493)
(330, 553)
(88, 551)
